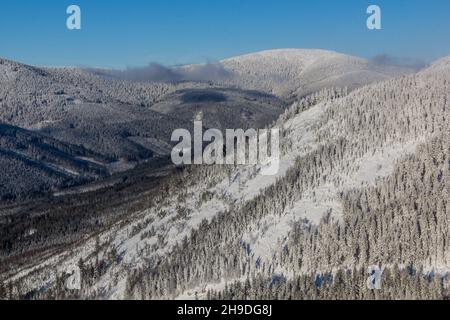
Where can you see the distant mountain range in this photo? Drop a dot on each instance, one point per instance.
(364, 180)
(126, 122)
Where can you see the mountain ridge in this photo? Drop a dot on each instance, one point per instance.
(351, 163)
(131, 122)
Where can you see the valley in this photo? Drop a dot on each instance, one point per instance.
(363, 180)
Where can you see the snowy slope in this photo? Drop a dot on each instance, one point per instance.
(297, 72)
(337, 144)
(126, 121)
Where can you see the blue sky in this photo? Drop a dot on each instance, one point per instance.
(120, 33)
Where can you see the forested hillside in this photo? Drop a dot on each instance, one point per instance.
(129, 121)
(364, 180)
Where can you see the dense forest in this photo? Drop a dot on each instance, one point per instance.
(365, 180)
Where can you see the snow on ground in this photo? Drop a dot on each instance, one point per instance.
(149, 235)
(245, 184)
(371, 167)
(200, 293)
(133, 246)
(298, 72)
(269, 235)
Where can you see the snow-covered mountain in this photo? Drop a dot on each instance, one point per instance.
(298, 72)
(364, 180)
(31, 161)
(127, 123)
